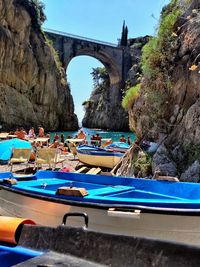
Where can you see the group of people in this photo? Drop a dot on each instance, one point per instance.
(22, 134)
(96, 139)
(59, 140)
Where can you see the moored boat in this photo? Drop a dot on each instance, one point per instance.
(95, 156)
(118, 147)
(128, 206)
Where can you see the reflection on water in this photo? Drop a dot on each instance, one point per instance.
(104, 134)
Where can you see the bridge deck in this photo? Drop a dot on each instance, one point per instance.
(79, 37)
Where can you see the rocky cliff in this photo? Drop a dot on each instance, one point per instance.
(167, 110)
(104, 108)
(33, 88)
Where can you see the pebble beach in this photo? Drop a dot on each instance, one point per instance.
(69, 164)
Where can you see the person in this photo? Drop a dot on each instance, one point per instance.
(129, 141)
(56, 137)
(16, 132)
(81, 135)
(31, 133)
(48, 135)
(21, 134)
(98, 138)
(92, 140)
(62, 138)
(40, 131)
(35, 146)
(55, 144)
(122, 139)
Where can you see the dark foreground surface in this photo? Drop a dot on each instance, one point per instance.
(67, 246)
(51, 259)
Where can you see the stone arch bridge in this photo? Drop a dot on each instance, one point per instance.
(115, 58)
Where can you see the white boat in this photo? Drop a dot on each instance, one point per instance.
(95, 156)
(117, 205)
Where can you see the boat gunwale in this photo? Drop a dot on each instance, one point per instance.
(101, 153)
(143, 209)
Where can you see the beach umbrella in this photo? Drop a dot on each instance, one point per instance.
(7, 146)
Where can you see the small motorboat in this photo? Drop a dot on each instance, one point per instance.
(118, 147)
(119, 205)
(96, 156)
(77, 246)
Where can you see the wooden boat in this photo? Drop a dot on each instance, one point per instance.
(128, 206)
(95, 156)
(48, 246)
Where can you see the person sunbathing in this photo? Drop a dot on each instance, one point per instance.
(41, 132)
(55, 144)
(21, 134)
(31, 133)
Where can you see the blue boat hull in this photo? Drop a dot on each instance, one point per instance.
(12, 255)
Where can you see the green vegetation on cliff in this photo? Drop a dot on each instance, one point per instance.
(54, 52)
(158, 56)
(100, 77)
(131, 95)
(36, 10)
(155, 52)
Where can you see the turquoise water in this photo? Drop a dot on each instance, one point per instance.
(115, 136)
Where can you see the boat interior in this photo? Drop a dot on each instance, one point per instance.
(104, 189)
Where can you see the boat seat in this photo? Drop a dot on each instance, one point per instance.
(72, 191)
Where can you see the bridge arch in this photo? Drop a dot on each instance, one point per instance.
(109, 64)
(70, 46)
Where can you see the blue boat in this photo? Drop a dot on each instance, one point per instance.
(128, 206)
(96, 156)
(12, 255)
(118, 147)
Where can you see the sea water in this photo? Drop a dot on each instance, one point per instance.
(115, 136)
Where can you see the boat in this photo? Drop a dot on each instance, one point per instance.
(96, 156)
(118, 147)
(118, 205)
(77, 246)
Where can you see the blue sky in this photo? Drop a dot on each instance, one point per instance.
(100, 20)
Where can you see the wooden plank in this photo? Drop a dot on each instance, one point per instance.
(81, 170)
(72, 191)
(94, 171)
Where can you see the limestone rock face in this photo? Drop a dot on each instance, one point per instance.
(174, 121)
(105, 110)
(33, 90)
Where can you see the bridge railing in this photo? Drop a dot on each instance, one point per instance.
(79, 37)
